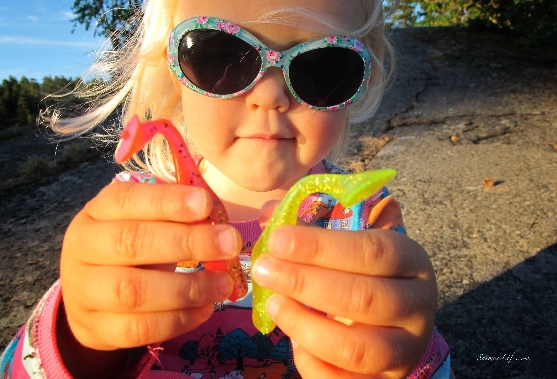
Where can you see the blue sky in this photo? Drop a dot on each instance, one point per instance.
(36, 40)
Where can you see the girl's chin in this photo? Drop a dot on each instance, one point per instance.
(259, 176)
(265, 183)
(263, 186)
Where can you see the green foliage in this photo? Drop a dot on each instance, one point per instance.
(533, 21)
(20, 101)
(114, 19)
(447, 13)
(406, 15)
(57, 84)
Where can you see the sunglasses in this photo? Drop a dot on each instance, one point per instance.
(219, 59)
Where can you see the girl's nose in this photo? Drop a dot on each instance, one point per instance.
(271, 92)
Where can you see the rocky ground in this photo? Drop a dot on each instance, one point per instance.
(464, 107)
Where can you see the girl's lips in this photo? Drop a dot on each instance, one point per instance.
(267, 139)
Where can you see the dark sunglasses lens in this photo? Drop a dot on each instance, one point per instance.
(218, 62)
(328, 76)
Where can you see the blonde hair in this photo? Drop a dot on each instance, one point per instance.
(139, 69)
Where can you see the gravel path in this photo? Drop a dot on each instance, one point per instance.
(464, 107)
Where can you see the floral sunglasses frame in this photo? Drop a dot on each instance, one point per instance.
(269, 57)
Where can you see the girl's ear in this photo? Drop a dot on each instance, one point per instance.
(173, 78)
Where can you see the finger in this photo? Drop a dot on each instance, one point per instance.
(267, 211)
(133, 243)
(308, 364)
(361, 298)
(129, 289)
(358, 348)
(107, 331)
(371, 252)
(135, 201)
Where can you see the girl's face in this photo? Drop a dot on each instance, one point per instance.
(265, 139)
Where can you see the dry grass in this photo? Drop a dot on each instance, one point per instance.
(36, 167)
(9, 133)
(78, 152)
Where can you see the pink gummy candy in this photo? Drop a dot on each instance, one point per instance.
(135, 135)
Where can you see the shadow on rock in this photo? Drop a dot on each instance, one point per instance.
(505, 328)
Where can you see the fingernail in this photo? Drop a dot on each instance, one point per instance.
(225, 285)
(273, 305)
(280, 243)
(262, 269)
(196, 201)
(226, 241)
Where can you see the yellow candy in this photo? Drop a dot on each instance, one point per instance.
(348, 189)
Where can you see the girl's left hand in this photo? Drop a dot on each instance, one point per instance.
(378, 284)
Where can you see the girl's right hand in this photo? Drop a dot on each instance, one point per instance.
(119, 253)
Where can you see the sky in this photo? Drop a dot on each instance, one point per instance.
(36, 40)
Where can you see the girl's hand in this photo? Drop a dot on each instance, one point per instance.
(118, 258)
(378, 284)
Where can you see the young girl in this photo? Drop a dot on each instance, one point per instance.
(255, 134)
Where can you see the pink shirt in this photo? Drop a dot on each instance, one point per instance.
(227, 345)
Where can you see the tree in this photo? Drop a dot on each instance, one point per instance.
(28, 101)
(58, 84)
(58, 90)
(116, 20)
(189, 351)
(533, 21)
(406, 15)
(238, 345)
(21, 100)
(281, 351)
(264, 345)
(435, 13)
(9, 96)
